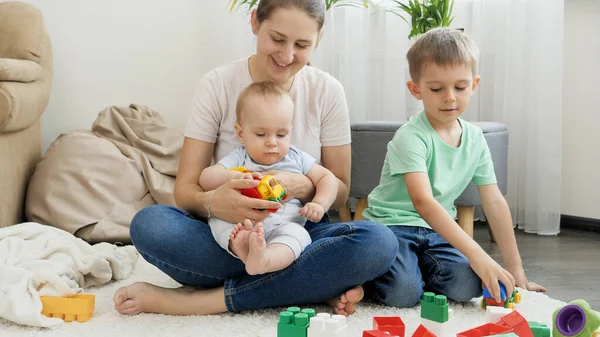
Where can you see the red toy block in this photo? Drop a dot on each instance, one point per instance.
(518, 323)
(376, 333)
(488, 329)
(423, 332)
(392, 324)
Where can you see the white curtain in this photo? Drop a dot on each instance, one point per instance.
(521, 67)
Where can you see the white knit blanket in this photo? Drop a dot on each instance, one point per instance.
(38, 260)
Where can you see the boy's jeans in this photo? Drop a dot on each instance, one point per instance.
(341, 256)
(425, 262)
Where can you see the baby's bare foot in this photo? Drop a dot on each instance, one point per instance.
(238, 241)
(346, 303)
(257, 261)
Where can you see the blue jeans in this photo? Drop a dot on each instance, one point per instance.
(341, 256)
(425, 262)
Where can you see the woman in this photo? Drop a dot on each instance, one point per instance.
(341, 257)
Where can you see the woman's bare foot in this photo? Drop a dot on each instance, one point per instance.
(258, 260)
(145, 297)
(346, 303)
(238, 240)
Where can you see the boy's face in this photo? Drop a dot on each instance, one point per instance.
(445, 91)
(265, 128)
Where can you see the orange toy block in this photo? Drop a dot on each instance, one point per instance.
(423, 332)
(392, 324)
(78, 307)
(518, 323)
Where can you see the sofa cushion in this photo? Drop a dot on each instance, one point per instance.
(22, 31)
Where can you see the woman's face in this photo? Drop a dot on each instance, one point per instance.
(285, 42)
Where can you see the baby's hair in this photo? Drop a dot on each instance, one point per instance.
(444, 47)
(265, 89)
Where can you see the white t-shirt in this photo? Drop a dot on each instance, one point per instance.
(320, 118)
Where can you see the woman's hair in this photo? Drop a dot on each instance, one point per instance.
(314, 8)
(443, 47)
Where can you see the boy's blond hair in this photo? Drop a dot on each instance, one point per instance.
(266, 89)
(444, 47)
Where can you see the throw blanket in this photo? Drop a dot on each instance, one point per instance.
(38, 260)
(91, 184)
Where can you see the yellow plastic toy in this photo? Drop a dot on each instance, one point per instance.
(267, 189)
(79, 307)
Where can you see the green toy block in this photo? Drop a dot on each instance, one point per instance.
(539, 329)
(434, 308)
(294, 322)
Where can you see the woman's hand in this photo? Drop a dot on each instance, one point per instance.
(228, 203)
(298, 186)
(490, 272)
(521, 279)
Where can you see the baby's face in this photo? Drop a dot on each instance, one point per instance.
(446, 91)
(265, 128)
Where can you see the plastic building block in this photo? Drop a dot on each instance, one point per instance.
(293, 323)
(376, 333)
(392, 324)
(539, 329)
(506, 302)
(434, 308)
(576, 319)
(494, 314)
(518, 323)
(267, 189)
(78, 307)
(423, 332)
(323, 325)
(446, 329)
(488, 329)
(510, 334)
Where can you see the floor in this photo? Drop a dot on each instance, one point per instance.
(567, 264)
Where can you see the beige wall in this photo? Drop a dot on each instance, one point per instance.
(581, 110)
(115, 52)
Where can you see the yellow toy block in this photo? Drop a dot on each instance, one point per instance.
(79, 307)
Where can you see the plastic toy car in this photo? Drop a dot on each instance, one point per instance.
(267, 189)
(506, 302)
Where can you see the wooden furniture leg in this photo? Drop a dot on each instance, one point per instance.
(361, 205)
(344, 213)
(465, 218)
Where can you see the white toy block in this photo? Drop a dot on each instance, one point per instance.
(446, 329)
(493, 313)
(324, 325)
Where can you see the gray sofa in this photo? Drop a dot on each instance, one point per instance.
(369, 146)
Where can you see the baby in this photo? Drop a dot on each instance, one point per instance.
(264, 124)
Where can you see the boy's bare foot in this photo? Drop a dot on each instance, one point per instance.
(258, 260)
(346, 303)
(238, 240)
(145, 297)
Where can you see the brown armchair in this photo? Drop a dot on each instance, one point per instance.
(25, 80)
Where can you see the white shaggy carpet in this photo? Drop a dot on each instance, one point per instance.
(107, 322)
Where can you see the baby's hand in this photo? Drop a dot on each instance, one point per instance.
(312, 211)
(257, 175)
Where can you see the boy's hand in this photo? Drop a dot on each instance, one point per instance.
(312, 211)
(521, 280)
(490, 272)
(257, 175)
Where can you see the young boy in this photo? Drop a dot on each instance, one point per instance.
(430, 161)
(264, 124)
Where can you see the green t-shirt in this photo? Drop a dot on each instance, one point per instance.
(417, 147)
